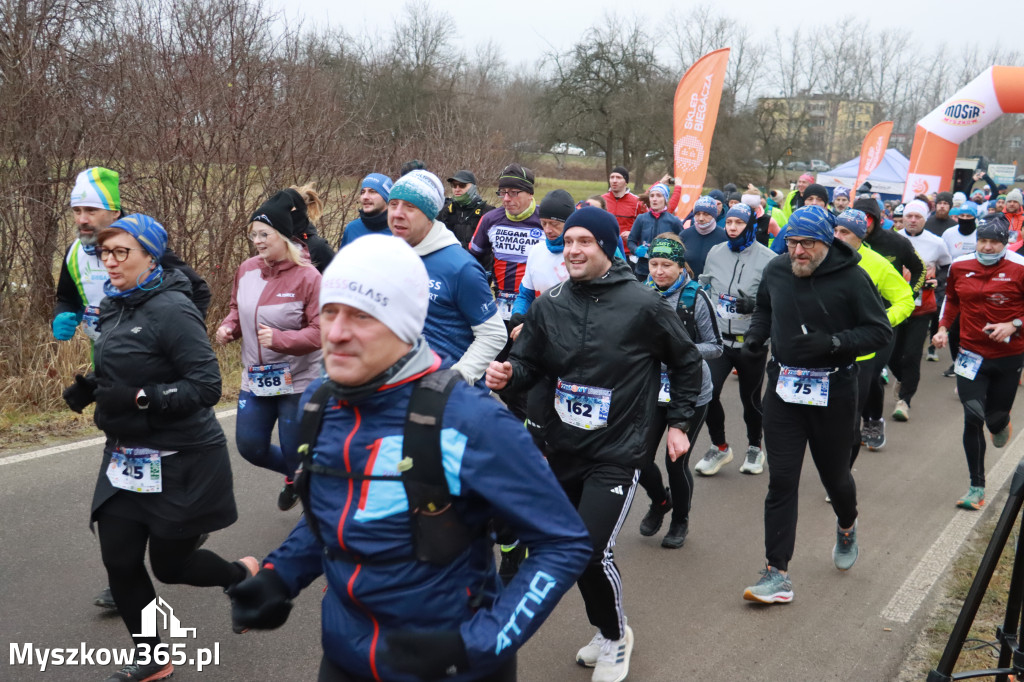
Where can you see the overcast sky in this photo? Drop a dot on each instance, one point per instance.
(525, 29)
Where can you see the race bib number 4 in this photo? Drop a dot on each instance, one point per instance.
(585, 407)
(136, 469)
(270, 380)
(91, 320)
(967, 364)
(803, 386)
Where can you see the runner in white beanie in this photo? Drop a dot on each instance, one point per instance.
(396, 296)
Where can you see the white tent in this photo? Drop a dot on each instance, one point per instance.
(888, 179)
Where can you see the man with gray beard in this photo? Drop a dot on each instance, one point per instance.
(821, 312)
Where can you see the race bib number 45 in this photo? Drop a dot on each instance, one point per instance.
(270, 380)
(136, 469)
(803, 386)
(585, 407)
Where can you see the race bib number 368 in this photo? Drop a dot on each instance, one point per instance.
(270, 380)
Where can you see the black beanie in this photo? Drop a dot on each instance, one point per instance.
(300, 217)
(816, 190)
(514, 176)
(870, 207)
(996, 227)
(556, 205)
(621, 170)
(736, 196)
(944, 196)
(276, 212)
(729, 188)
(600, 223)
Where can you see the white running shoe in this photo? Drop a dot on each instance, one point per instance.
(713, 460)
(753, 463)
(613, 663)
(588, 655)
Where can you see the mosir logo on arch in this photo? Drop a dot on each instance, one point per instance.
(963, 112)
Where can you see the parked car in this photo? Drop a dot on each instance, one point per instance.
(819, 166)
(796, 166)
(569, 149)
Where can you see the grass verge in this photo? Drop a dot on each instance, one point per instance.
(976, 654)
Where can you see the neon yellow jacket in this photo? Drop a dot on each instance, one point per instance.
(890, 285)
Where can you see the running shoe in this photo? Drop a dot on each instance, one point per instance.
(875, 438)
(902, 411)
(655, 516)
(142, 673)
(773, 588)
(713, 460)
(974, 499)
(949, 372)
(753, 463)
(588, 655)
(844, 554)
(288, 497)
(105, 600)
(1002, 438)
(676, 536)
(932, 355)
(511, 557)
(613, 663)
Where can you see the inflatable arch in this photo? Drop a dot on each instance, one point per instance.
(998, 90)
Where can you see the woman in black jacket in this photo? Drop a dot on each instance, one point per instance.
(165, 478)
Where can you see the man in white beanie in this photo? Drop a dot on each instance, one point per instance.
(1013, 209)
(405, 599)
(463, 325)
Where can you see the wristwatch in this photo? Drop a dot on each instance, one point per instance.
(1016, 322)
(141, 399)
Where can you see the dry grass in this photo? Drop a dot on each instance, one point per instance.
(976, 655)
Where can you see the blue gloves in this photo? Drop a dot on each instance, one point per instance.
(65, 324)
(641, 251)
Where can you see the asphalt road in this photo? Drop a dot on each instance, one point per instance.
(685, 605)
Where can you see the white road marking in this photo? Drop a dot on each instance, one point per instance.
(908, 599)
(77, 445)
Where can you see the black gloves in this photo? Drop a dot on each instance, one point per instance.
(80, 394)
(430, 654)
(114, 398)
(261, 602)
(744, 304)
(752, 346)
(812, 344)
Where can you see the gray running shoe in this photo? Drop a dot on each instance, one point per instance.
(1000, 439)
(902, 411)
(753, 463)
(713, 460)
(772, 588)
(874, 437)
(844, 554)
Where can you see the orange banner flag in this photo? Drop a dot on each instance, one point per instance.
(695, 112)
(872, 150)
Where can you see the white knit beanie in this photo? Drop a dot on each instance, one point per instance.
(916, 206)
(382, 276)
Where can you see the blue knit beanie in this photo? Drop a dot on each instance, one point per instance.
(812, 221)
(707, 204)
(422, 189)
(853, 220)
(600, 223)
(379, 183)
(662, 188)
(147, 232)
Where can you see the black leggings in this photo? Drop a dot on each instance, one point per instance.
(789, 430)
(987, 400)
(330, 672)
(905, 361)
(876, 388)
(123, 547)
(750, 370)
(680, 479)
